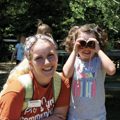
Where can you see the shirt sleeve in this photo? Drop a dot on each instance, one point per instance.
(11, 105)
(17, 45)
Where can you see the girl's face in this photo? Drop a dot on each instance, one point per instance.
(86, 53)
(44, 61)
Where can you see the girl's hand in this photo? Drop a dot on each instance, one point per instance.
(76, 45)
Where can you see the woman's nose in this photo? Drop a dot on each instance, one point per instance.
(47, 61)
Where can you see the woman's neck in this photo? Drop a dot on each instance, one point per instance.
(42, 81)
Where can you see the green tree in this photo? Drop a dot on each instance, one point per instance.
(20, 16)
(103, 12)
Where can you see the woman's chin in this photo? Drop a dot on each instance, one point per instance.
(49, 73)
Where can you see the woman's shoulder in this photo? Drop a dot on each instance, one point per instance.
(12, 86)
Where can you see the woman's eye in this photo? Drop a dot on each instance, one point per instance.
(39, 59)
(51, 56)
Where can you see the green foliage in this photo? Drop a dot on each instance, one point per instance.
(103, 12)
(20, 16)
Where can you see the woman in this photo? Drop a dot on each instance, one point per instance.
(40, 51)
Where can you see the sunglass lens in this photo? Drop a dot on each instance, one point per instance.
(91, 44)
(83, 43)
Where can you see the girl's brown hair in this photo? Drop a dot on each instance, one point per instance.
(68, 41)
(75, 32)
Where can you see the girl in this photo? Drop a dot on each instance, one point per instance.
(87, 66)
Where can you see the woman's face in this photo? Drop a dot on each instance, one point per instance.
(44, 61)
(86, 53)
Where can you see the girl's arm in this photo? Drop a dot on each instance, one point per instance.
(13, 55)
(11, 106)
(107, 63)
(68, 67)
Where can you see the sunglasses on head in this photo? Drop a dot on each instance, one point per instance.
(87, 44)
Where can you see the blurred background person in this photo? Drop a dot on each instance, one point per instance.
(18, 53)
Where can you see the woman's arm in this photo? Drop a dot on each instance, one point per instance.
(60, 113)
(62, 103)
(11, 106)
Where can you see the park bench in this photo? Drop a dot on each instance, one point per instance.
(115, 56)
(112, 83)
